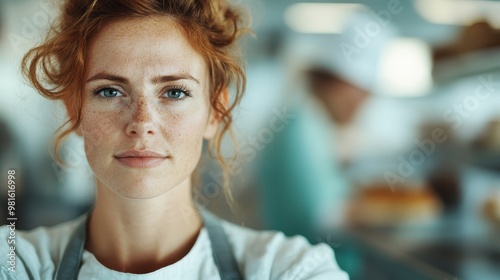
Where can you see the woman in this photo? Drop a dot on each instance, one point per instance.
(144, 83)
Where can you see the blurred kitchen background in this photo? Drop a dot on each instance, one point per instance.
(372, 126)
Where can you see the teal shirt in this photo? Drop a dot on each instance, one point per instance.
(299, 176)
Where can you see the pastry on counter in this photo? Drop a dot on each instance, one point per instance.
(381, 206)
(491, 209)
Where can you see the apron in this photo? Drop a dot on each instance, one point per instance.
(222, 253)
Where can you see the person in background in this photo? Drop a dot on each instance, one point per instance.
(301, 179)
(341, 100)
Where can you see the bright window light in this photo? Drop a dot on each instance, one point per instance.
(319, 17)
(406, 68)
(459, 12)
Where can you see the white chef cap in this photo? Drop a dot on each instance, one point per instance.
(355, 54)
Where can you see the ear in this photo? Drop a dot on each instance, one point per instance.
(213, 118)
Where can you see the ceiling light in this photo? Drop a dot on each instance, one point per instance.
(326, 18)
(459, 12)
(406, 68)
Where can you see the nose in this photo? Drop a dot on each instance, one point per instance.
(141, 123)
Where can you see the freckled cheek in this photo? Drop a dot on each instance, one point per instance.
(97, 133)
(186, 133)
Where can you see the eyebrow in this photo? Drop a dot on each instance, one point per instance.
(155, 80)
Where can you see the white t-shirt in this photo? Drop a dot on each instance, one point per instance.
(259, 254)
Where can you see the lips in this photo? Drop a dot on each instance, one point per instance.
(140, 158)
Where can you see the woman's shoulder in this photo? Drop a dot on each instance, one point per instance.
(273, 255)
(36, 252)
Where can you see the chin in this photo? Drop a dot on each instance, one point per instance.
(142, 188)
(140, 192)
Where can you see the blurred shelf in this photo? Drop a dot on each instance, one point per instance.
(485, 159)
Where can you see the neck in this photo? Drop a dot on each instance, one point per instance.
(142, 235)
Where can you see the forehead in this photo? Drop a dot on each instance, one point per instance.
(150, 44)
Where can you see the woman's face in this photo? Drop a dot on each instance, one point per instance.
(146, 107)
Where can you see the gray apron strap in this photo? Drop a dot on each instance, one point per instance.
(221, 249)
(69, 265)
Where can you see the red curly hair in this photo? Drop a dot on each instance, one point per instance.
(56, 68)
